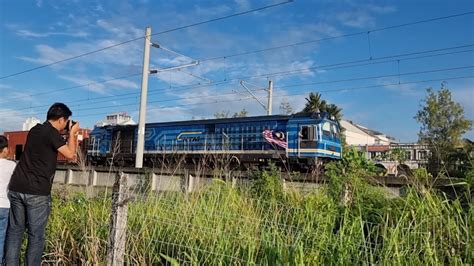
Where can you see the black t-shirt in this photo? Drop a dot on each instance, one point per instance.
(35, 172)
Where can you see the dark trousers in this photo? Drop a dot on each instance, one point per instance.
(28, 212)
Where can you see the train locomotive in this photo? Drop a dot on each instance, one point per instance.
(303, 140)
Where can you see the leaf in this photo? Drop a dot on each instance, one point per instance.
(173, 262)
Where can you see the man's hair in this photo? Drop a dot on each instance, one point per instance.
(57, 111)
(3, 142)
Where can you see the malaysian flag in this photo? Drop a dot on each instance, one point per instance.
(268, 136)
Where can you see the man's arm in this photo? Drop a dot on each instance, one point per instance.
(70, 149)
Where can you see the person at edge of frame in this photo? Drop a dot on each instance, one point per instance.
(6, 171)
(30, 185)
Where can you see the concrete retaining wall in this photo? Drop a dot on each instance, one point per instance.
(169, 183)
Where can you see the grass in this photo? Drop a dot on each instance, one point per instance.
(266, 225)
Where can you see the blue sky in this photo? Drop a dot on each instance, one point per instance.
(34, 33)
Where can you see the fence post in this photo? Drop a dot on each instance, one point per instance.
(118, 222)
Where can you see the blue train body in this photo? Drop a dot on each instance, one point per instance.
(305, 138)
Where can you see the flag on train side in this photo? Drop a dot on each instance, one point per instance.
(268, 136)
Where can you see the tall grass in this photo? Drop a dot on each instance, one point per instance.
(265, 225)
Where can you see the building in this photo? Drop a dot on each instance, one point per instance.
(17, 141)
(120, 118)
(360, 136)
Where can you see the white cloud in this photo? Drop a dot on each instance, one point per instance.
(363, 15)
(5, 86)
(357, 19)
(11, 120)
(242, 4)
(28, 33)
(208, 12)
(123, 83)
(39, 3)
(157, 113)
(411, 90)
(120, 29)
(465, 96)
(382, 9)
(48, 55)
(99, 8)
(92, 86)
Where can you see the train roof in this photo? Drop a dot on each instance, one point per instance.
(225, 120)
(234, 120)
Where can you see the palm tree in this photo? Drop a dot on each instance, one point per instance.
(314, 104)
(334, 111)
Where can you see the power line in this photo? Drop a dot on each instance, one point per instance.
(138, 38)
(322, 82)
(346, 64)
(337, 66)
(313, 83)
(225, 17)
(77, 86)
(379, 76)
(248, 52)
(338, 36)
(295, 94)
(344, 80)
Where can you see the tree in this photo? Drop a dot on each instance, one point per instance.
(222, 114)
(314, 103)
(242, 113)
(335, 111)
(442, 125)
(285, 107)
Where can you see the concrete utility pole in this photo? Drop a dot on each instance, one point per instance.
(267, 107)
(143, 100)
(270, 97)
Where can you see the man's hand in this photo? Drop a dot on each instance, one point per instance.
(73, 129)
(69, 150)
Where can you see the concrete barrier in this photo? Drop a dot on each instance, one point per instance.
(183, 182)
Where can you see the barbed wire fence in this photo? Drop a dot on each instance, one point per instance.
(215, 225)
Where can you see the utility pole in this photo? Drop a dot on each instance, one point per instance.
(270, 97)
(143, 100)
(267, 107)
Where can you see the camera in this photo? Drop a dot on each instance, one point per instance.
(69, 124)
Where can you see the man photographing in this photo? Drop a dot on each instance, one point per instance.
(30, 185)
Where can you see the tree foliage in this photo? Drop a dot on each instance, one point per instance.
(314, 103)
(242, 113)
(442, 125)
(286, 108)
(221, 114)
(226, 114)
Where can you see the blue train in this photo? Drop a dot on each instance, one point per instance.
(301, 139)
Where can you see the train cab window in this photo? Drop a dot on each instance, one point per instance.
(307, 133)
(327, 129)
